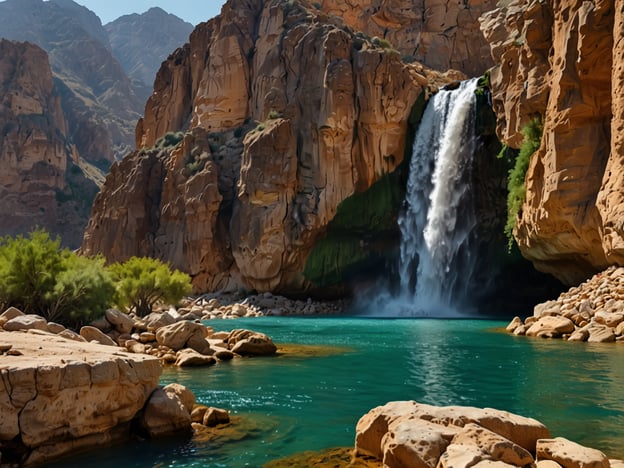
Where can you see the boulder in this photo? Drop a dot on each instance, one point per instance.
(215, 416)
(93, 334)
(177, 334)
(186, 396)
(495, 446)
(197, 415)
(372, 427)
(123, 323)
(191, 358)
(55, 328)
(223, 354)
(600, 334)
(415, 443)
(551, 327)
(165, 414)
(102, 324)
(26, 322)
(461, 456)
(200, 344)
(570, 454)
(8, 314)
(514, 324)
(154, 321)
(250, 343)
(71, 335)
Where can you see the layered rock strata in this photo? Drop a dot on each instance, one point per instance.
(271, 148)
(406, 433)
(562, 62)
(592, 312)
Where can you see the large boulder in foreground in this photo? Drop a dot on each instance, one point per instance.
(59, 395)
(410, 434)
(406, 433)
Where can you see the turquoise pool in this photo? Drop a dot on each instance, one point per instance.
(312, 400)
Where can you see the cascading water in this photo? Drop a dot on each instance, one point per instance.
(437, 262)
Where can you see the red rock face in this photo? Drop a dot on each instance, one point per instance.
(288, 113)
(560, 60)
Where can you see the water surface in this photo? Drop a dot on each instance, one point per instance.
(313, 400)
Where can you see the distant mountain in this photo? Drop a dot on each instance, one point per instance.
(142, 42)
(99, 100)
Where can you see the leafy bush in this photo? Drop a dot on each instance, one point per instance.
(170, 139)
(142, 282)
(273, 114)
(38, 277)
(515, 183)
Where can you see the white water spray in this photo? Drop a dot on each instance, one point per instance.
(437, 260)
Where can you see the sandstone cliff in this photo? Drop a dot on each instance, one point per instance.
(288, 112)
(43, 180)
(440, 34)
(562, 62)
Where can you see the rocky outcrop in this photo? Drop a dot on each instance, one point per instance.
(562, 62)
(439, 34)
(592, 311)
(406, 433)
(72, 396)
(271, 150)
(99, 101)
(43, 182)
(142, 42)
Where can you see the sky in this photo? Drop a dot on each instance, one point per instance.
(193, 11)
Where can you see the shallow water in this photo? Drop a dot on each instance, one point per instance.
(311, 399)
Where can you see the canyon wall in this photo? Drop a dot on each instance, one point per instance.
(439, 34)
(42, 182)
(288, 112)
(563, 62)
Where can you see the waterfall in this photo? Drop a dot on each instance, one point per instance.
(437, 225)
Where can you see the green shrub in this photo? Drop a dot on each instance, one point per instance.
(515, 183)
(38, 277)
(83, 291)
(274, 114)
(170, 139)
(142, 282)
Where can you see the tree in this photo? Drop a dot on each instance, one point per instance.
(28, 270)
(83, 291)
(142, 282)
(38, 277)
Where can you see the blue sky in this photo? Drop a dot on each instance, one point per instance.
(193, 11)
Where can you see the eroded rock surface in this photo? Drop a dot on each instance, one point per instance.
(57, 395)
(407, 433)
(439, 34)
(563, 62)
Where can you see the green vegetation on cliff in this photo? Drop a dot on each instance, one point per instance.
(364, 229)
(361, 222)
(516, 182)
